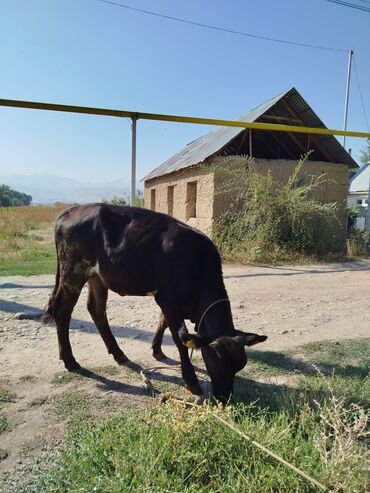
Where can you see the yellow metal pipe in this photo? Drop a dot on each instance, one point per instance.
(178, 119)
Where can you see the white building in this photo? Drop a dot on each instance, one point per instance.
(358, 192)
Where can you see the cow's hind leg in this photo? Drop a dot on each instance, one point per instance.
(158, 339)
(65, 300)
(97, 304)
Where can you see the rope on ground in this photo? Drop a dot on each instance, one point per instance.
(149, 385)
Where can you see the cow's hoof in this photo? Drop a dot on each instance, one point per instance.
(122, 359)
(159, 356)
(72, 365)
(194, 389)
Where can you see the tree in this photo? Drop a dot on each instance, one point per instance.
(13, 198)
(365, 153)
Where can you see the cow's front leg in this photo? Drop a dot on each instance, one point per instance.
(187, 369)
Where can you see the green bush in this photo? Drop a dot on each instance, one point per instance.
(267, 218)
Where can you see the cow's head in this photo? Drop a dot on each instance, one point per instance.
(224, 357)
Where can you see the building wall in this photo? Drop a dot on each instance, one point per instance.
(182, 181)
(359, 199)
(209, 204)
(334, 189)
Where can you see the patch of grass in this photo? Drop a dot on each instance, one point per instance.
(27, 378)
(4, 423)
(171, 448)
(38, 401)
(345, 365)
(317, 425)
(3, 454)
(73, 407)
(43, 262)
(109, 370)
(26, 240)
(349, 357)
(6, 395)
(273, 363)
(65, 377)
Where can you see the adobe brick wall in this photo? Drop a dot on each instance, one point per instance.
(211, 204)
(334, 189)
(179, 179)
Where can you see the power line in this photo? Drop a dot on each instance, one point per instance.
(362, 99)
(222, 29)
(351, 5)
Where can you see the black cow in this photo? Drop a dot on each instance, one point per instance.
(139, 252)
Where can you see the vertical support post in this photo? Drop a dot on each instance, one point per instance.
(367, 216)
(250, 143)
(133, 161)
(347, 95)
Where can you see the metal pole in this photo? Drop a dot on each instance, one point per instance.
(133, 161)
(347, 95)
(250, 143)
(367, 216)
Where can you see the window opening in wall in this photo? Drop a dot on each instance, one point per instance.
(152, 199)
(191, 199)
(170, 191)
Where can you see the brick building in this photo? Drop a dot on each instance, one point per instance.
(185, 185)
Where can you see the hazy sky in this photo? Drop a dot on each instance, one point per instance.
(91, 53)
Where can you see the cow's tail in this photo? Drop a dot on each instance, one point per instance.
(49, 310)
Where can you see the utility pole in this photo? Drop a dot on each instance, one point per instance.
(367, 216)
(347, 95)
(133, 161)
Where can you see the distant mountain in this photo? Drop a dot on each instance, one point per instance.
(48, 189)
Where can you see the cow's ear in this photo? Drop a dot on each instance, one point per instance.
(193, 341)
(249, 339)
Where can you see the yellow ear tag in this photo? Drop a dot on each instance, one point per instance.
(190, 344)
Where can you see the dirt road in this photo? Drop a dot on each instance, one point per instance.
(292, 305)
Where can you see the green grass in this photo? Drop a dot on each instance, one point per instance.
(72, 407)
(30, 261)
(348, 357)
(26, 240)
(4, 423)
(38, 401)
(6, 395)
(65, 377)
(27, 378)
(3, 454)
(316, 424)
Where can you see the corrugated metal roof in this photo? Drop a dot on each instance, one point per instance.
(202, 148)
(360, 181)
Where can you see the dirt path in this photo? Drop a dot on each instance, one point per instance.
(292, 305)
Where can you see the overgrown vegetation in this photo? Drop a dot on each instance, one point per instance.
(13, 198)
(269, 221)
(116, 200)
(26, 240)
(314, 423)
